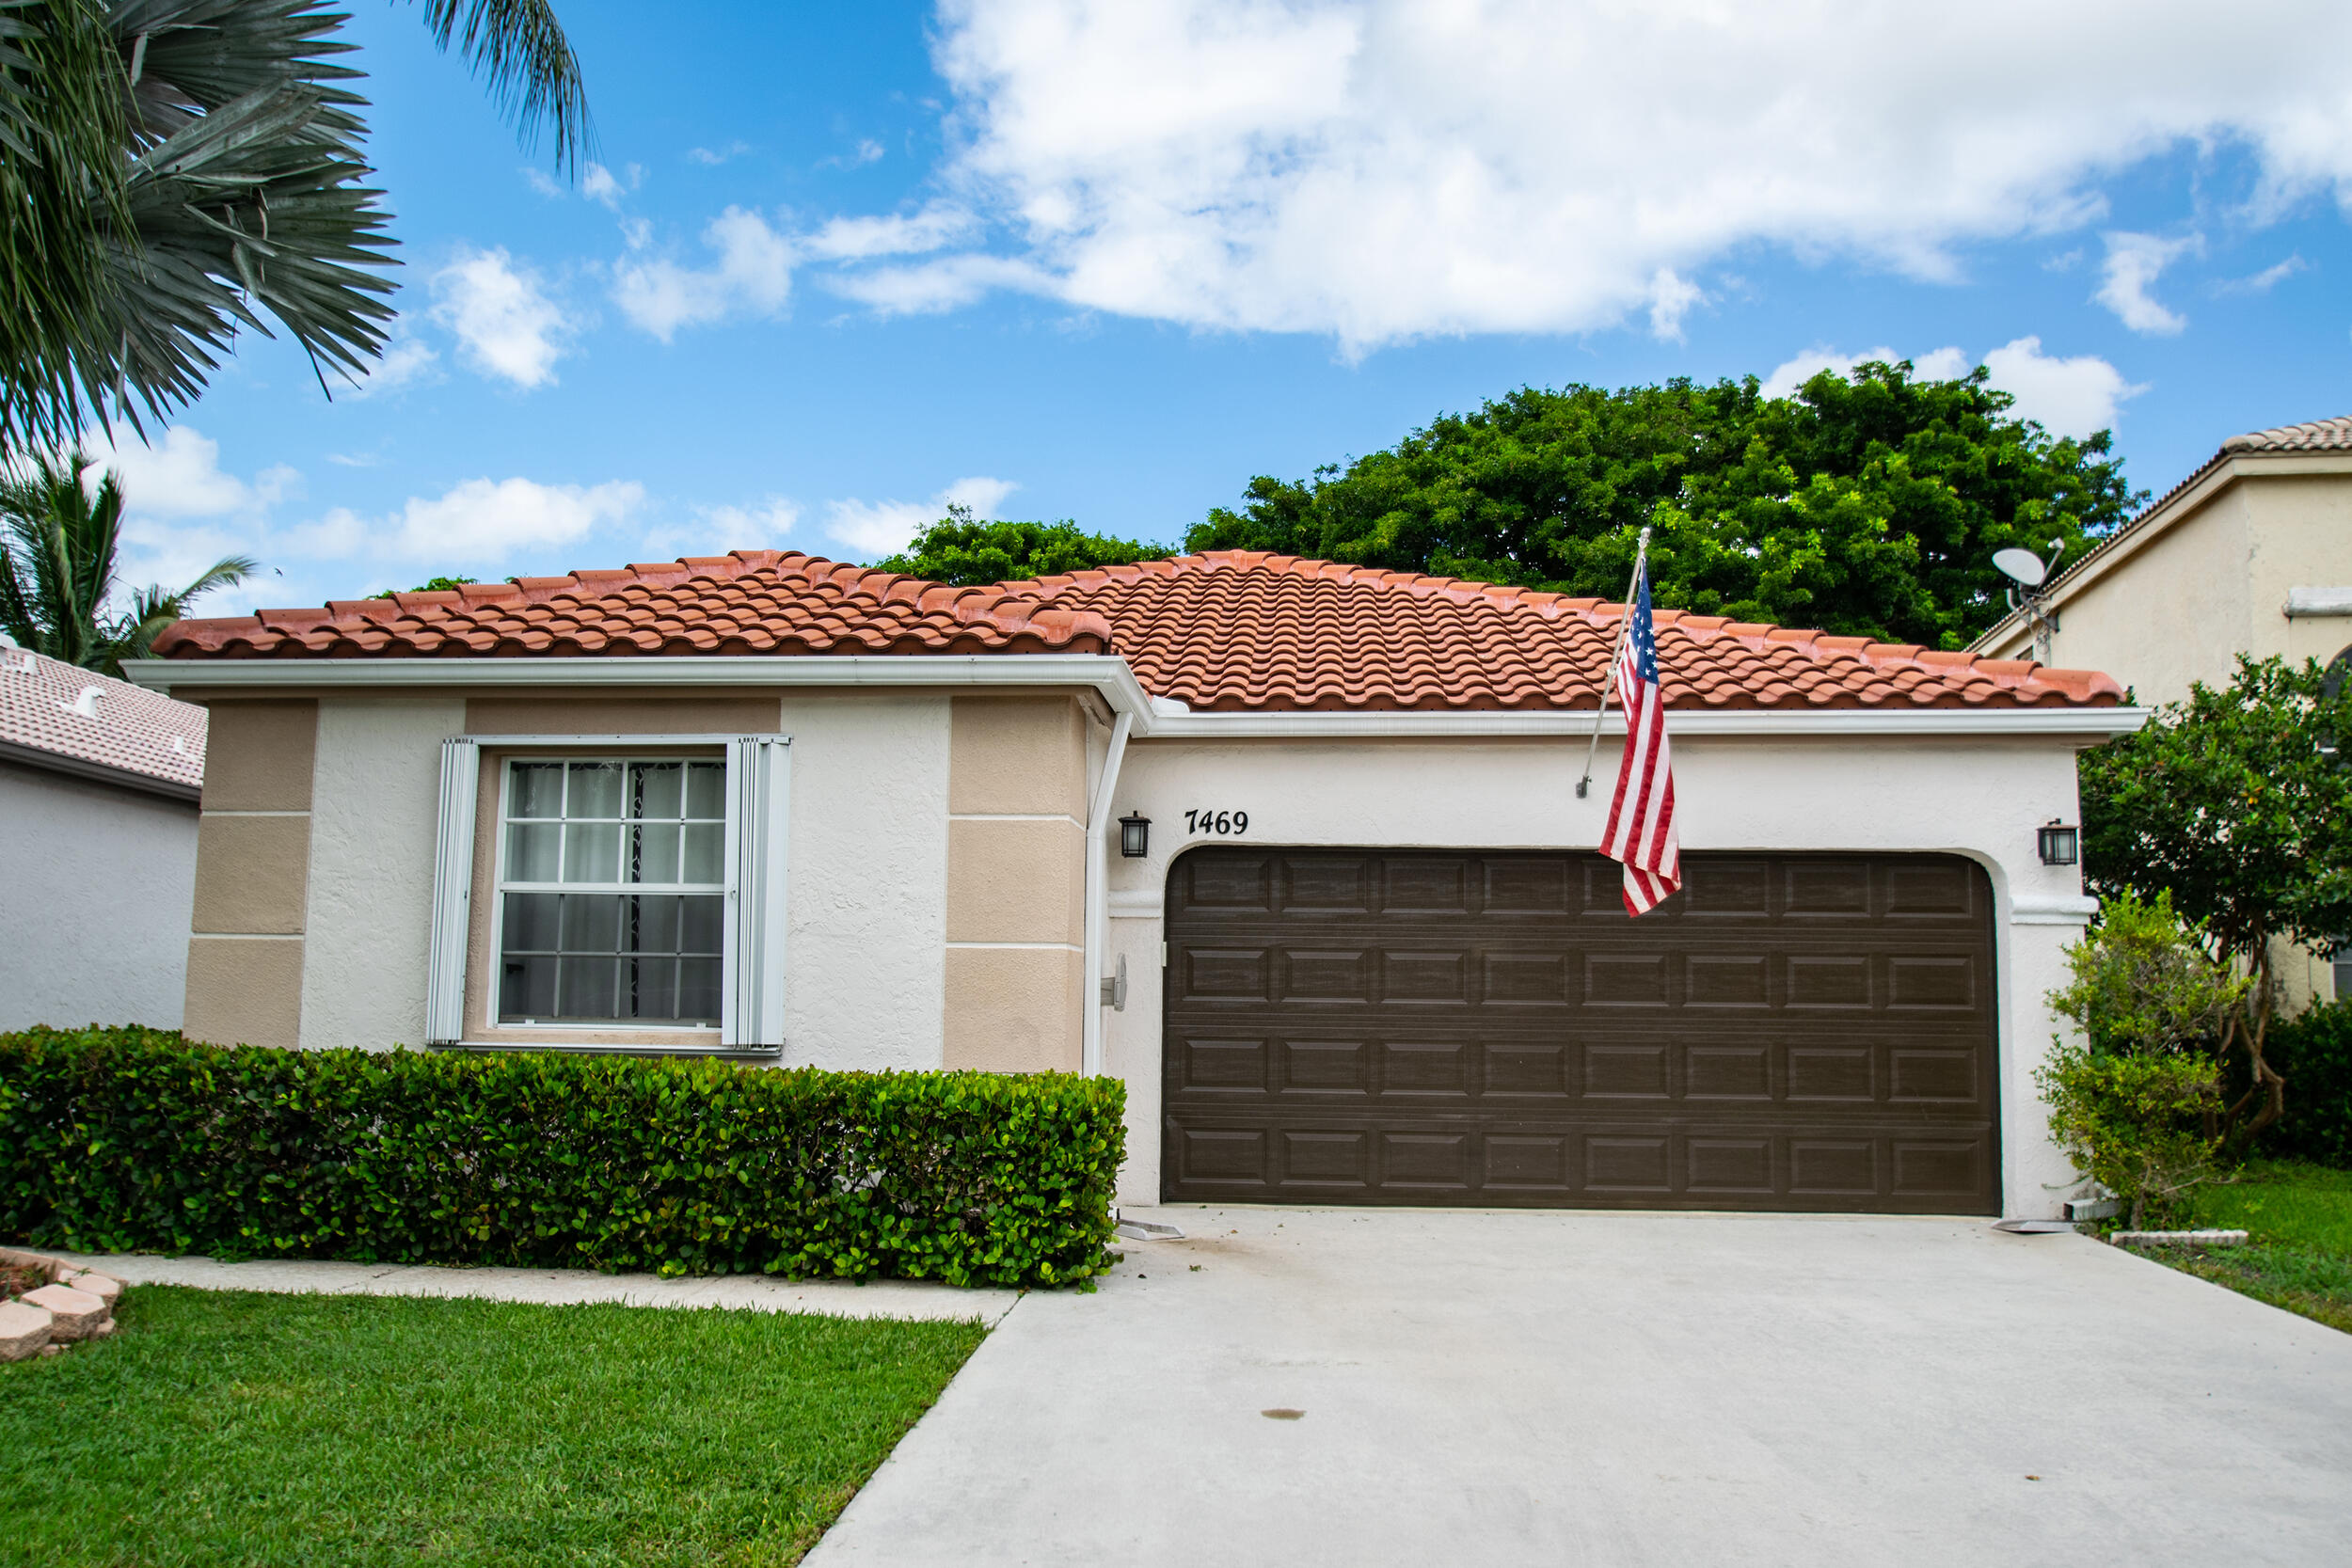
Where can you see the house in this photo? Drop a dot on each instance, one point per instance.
(1293, 848)
(2250, 554)
(98, 846)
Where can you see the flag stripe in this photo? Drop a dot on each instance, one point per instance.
(1641, 830)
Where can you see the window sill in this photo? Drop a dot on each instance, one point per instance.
(579, 1048)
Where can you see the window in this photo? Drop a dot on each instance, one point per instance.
(612, 893)
(635, 891)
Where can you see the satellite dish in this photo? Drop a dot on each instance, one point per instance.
(2024, 565)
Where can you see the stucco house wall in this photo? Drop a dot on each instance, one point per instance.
(1982, 799)
(100, 879)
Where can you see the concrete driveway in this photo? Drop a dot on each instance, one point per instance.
(1618, 1389)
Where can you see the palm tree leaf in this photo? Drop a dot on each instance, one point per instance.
(519, 50)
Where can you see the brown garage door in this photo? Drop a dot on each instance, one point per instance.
(1793, 1031)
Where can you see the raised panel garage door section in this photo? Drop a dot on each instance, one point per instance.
(1489, 1028)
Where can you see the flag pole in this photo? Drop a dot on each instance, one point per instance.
(1609, 677)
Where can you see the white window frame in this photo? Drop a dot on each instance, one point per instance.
(752, 964)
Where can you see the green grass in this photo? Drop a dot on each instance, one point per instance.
(2298, 1222)
(235, 1428)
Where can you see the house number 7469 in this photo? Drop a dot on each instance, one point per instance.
(1225, 822)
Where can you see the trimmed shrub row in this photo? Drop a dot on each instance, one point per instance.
(136, 1140)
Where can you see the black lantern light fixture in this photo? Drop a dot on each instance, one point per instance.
(2060, 845)
(1135, 836)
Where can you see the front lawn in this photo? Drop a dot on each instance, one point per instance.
(234, 1427)
(2298, 1221)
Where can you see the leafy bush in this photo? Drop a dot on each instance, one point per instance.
(2138, 1103)
(129, 1140)
(2136, 1124)
(2315, 1052)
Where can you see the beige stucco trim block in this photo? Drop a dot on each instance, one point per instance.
(1013, 1009)
(258, 754)
(1017, 755)
(1021, 880)
(753, 714)
(244, 990)
(251, 874)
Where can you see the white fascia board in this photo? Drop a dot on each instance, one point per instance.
(2097, 723)
(1107, 674)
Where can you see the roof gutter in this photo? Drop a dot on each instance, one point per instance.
(82, 767)
(1108, 674)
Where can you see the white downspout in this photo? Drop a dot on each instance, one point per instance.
(1097, 872)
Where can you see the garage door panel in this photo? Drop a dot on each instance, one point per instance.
(1785, 1042)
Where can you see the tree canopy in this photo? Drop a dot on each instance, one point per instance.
(1868, 506)
(2236, 805)
(959, 550)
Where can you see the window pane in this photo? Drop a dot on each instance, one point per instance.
(698, 990)
(698, 925)
(706, 790)
(657, 924)
(592, 923)
(657, 853)
(538, 790)
(532, 849)
(592, 852)
(705, 844)
(526, 988)
(595, 790)
(656, 980)
(585, 987)
(657, 788)
(530, 922)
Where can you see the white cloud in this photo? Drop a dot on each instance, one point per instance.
(2134, 262)
(711, 157)
(406, 360)
(478, 521)
(867, 150)
(1670, 300)
(599, 183)
(855, 238)
(505, 323)
(945, 284)
(181, 477)
(2073, 397)
(2265, 280)
(2070, 397)
(752, 276)
(538, 179)
(1382, 169)
(882, 528)
(717, 530)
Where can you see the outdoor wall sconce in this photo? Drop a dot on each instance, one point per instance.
(1135, 836)
(2060, 846)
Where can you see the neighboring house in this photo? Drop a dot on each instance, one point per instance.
(2250, 554)
(99, 783)
(1293, 848)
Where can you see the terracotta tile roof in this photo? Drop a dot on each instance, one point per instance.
(2312, 435)
(75, 714)
(1227, 631)
(1236, 630)
(750, 602)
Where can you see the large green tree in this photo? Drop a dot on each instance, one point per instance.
(58, 537)
(958, 549)
(173, 171)
(2236, 805)
(1867, 505)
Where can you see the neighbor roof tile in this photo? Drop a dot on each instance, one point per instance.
(49, 706)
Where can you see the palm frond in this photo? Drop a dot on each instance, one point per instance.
(519, 50)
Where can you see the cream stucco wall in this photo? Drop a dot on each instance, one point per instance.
(2206, 579)
(1980, 798)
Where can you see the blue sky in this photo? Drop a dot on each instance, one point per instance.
(1106, 260)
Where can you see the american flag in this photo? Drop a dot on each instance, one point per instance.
(1640, 830)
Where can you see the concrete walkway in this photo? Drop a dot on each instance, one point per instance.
(1625, 1389)
(564, 1287)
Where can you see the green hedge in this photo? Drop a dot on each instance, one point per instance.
(2314, 1051)
(136, 1140)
